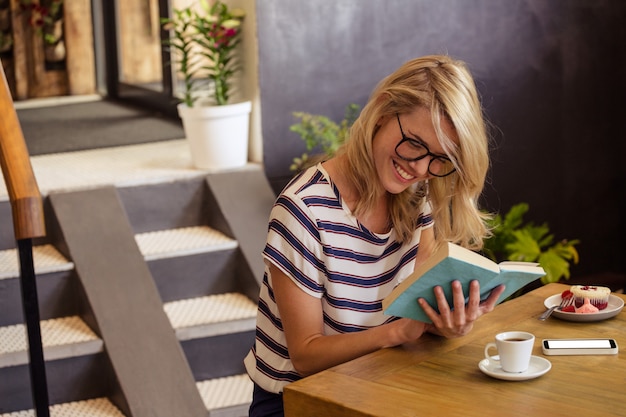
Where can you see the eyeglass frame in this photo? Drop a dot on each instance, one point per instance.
(433, 156)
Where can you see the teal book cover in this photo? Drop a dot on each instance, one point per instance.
(452, 262)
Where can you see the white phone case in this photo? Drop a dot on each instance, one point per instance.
(600, 346)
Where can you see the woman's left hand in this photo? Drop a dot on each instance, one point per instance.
(459, 320)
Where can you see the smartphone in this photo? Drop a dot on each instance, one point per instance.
(579, 347)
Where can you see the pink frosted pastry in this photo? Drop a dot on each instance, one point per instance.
(587, 307)
(598, 296)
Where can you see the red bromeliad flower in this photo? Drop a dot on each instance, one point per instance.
(223, 37)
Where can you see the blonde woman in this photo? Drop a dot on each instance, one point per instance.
(345, 232)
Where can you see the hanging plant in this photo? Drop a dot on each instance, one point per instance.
(46, 17)
(41, 13)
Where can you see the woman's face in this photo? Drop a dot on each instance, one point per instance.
(394, 173)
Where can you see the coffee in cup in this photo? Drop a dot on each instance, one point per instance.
(514, 349)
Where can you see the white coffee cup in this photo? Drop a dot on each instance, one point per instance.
(514, 350)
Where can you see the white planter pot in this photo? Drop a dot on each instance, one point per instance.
(217, 135)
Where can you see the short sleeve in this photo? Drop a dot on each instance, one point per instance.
(293, 245)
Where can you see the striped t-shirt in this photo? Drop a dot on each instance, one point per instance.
(321, 246)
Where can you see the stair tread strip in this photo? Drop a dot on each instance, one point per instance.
(209, 309)
(211, 315)
(47, 259)
(97, 407)
(61, 338)
(225, 392)
(182, 241)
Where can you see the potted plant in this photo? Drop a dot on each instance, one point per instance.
(319, 131)
(204, 40)
(514, 240)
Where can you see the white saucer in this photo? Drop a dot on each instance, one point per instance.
(613, 308)
(538, 366)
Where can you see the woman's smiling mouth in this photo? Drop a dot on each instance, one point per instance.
(405, 175)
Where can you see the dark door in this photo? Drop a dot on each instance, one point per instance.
(133, 63)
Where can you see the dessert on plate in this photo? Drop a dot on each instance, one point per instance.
(587, 308)
(598, 296)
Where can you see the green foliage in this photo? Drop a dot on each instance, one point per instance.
(181, 41)
(515, 240)
(321, 132)
(204, 46)
(42, 16)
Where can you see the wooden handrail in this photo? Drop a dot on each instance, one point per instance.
(26, 201)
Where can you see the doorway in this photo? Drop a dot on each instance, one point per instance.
(134, 64)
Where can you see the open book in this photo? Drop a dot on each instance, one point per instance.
(452, 262)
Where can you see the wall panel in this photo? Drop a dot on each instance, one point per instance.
(550, 73)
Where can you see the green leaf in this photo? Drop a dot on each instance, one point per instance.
(555, 266)
(514, 240)
(515, 217)
(566, 250)
(524, 248)
(320, 132)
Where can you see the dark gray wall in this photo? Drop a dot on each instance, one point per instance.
(550, 73)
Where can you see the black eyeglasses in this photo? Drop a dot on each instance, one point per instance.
(414, 150)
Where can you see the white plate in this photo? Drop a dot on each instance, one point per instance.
(612, 309)
(538, 366)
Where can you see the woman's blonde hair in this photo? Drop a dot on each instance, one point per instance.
(446, 88)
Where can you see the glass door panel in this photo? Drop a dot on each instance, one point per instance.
(134, 63)
(140, 47)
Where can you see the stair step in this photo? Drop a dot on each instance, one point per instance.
(61, 338)
(45, 258)
(183, 241)
(153, 245)
(228, 396)
(193, 318)
(211, 315)
(97, 407)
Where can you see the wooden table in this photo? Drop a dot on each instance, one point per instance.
(440, 377)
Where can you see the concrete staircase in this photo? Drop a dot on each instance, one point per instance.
(188, 270)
